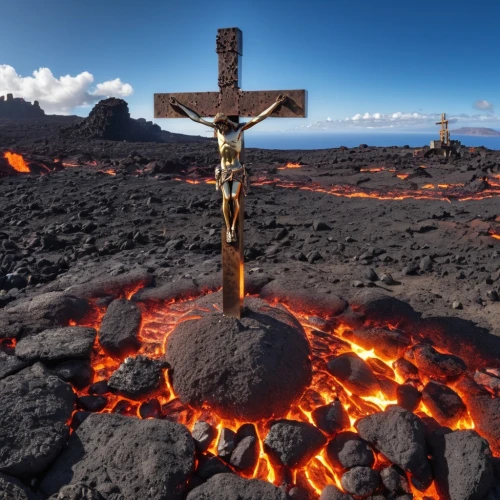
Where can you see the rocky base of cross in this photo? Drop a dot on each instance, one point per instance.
(360, 398)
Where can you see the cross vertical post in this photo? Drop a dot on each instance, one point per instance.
(233, 103)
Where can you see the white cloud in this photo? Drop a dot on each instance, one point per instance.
(59, 95)
(115, 88)
(484, 105)
(328, 119)
(404, 120)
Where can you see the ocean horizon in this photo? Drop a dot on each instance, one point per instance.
(327, 140)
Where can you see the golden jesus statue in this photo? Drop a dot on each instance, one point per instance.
(230, 177)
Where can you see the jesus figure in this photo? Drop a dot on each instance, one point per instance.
(230, 177)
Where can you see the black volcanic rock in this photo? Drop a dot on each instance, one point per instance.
(110, 119)
(484, 410)
(12, 489)
(462, 464)
(72, 342)
(386, 343)
(400, 436)
(137, 458)
(79, 491)
(246, 453)
(9, 364)
(203, 434)
(15, 108)
(77, 371)
(348, 450)
(331, 492)
(119, 328)
(331, 418)
(233, 487)
(439, 366)
(44, 311)
(444, 403)
(394, 479)
(251, 368)
(293, 444)
(137, 376)
(360, 481)
(354, 373)
(34, 410)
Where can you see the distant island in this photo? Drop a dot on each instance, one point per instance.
(475, 131)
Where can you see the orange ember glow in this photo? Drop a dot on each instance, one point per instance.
(494, 235)
(17, 162)
(441, 192)
(290, 165)
(109, 172)
(159, 320)
(402, 176)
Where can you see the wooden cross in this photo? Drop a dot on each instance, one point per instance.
(234, 103)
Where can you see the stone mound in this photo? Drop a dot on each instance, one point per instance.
(252, 368)
(110, 119)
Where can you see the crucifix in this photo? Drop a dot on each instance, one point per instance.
(227, 106)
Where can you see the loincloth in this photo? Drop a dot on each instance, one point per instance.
(229, 175)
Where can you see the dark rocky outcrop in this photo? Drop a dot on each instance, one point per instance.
(135, 458)
(15, 108)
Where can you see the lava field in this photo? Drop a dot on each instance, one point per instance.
(366, 363)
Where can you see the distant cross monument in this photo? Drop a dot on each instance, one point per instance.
(227, 106)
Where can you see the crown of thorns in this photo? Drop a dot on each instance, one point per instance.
(221, 117)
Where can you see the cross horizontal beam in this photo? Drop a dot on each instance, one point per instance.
(233, 102)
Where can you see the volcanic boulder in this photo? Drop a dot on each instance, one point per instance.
(348, 450)
(354, 373)
(34, 410)
(232, 487)
(119, 328)
(331, 492)
(13, 489)
(394, 479)
(44, 311)
(137, 376)
(400, 436)
(249, 368)
(78, 491)
(388, 344)
(9, 364)
(331, 418)
(292, 443)
(360, 481)
(462, 464)
(444, 403)
(72, 342)
(439, 366)
(484, 410)
(137, 458)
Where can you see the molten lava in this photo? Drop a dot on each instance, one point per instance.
(290, 165)
(17, 162)
(160, 319)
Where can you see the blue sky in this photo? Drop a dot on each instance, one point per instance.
(386, 64)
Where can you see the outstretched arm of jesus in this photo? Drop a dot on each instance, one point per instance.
(279, 100)
(191, 114)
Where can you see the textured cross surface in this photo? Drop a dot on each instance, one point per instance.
(234, 103)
